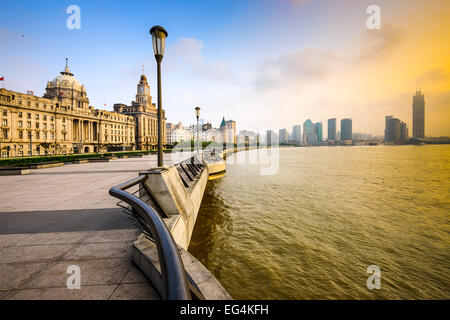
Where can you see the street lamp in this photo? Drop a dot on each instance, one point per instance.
(197, 114)
(159, 35)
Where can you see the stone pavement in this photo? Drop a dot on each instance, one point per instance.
(57, 217)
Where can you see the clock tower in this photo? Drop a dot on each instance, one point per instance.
(143, 92)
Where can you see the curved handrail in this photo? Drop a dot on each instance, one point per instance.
(173, 277)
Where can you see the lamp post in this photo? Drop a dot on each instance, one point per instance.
(159, 35)
(197, 114)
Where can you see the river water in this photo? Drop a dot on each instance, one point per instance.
(311, 230)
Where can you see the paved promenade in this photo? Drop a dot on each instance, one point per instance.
(57, 217)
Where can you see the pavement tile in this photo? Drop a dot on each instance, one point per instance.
(99, 292)
(11, 239)
(100, 250)
(92, 272)
(135, 291)
(12, 275)
(54, 238)
(134, 275)
(33, 253)
(113, 235)
(3, 294)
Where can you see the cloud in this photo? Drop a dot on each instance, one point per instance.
(379, 44)
(186, 53)
(431, 76)
(300, 66)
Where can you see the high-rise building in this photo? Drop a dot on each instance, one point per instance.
(309, 136)
(332, 129)
(404, 132)
(419, 115)
(296, 133)
(386, 127)
(271, 138)
(346, 129)
(283, 135)
(318, 130)
(228, 129)
(394, 130)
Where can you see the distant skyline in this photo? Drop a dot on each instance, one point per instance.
(267, 64)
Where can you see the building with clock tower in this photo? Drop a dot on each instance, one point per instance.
(145, 114)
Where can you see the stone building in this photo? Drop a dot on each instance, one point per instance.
(144, 112)
(228, 129)
(60, 122)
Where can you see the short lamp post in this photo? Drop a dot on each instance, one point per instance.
(197, 114)
(159, 35)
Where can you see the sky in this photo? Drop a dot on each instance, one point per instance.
(267, 64)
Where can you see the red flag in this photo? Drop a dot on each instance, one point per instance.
(2, 79)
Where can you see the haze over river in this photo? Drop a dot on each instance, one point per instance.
(311, 230)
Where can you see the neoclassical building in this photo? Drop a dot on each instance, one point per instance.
(144, 112)
(60, 122)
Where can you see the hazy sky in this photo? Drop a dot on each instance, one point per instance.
(265, 64)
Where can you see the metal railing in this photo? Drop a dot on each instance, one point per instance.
(176, 284)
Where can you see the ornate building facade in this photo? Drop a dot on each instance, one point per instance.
(144, 112)
(60, 122)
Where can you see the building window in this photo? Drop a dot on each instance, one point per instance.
(45, 135)
(28, 115)
(45, 106)
(20, 101)
(45, 125)
(5, 134)
(64, 136)
(20, 114)
(29, 134)
(52, 126)
(28, 124)
(37, 135)
(45, 117)
(5, 112)
(51, 118)
(20, 153)
(5, 154)
(20, 134)
(37, 104)
(37, 116)
(29, 103)
(52, 136)
(37, 125)
(5, 122)
(64, 120)
(20, 123)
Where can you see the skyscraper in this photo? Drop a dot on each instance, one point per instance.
(283, 135)
(346, 129)
(332, 129)
(394, 131)
(296, 133)
(386, 128)
(309, 136)
(419, 115)
(318, 129)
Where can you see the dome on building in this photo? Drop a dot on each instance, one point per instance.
(66, 79)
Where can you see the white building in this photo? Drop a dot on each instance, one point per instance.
(178, 133)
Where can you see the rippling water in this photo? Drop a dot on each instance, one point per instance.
(311, 230)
